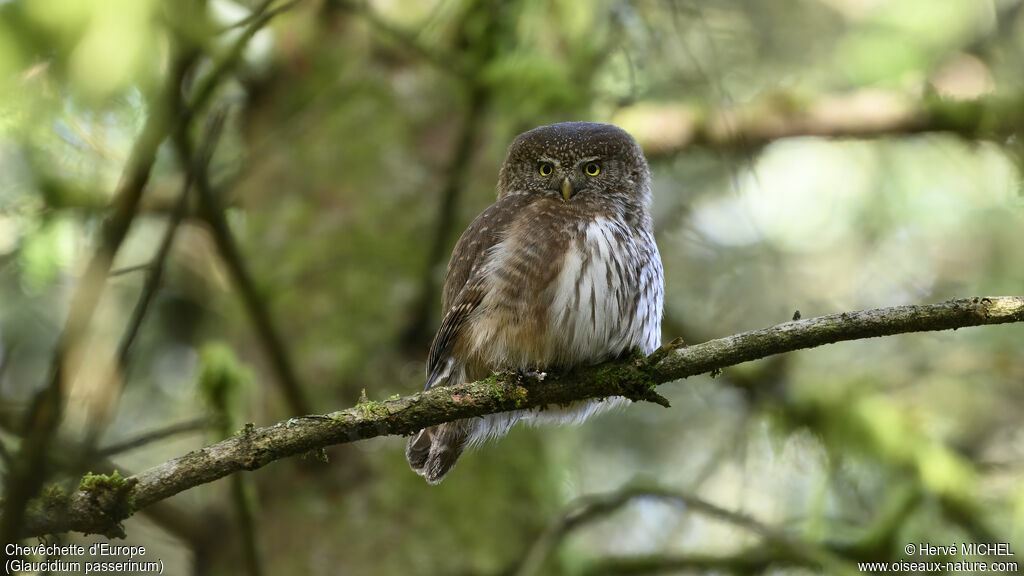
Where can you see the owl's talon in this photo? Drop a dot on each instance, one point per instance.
(660, 354)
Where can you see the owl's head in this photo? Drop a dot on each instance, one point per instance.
(575, 161)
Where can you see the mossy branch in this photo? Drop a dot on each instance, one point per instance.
(633, 377)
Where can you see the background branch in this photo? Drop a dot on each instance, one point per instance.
(417, 331)
(194, 425)
(154, 274)
(777, 548)
(280, 358)
(47, 407)
(633, 378)
(665, 131)
(166, 115)
(756, 560)
(784, 548)
(442, 60)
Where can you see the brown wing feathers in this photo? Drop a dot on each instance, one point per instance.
(463, 286)
(440, 359)
(433, 451)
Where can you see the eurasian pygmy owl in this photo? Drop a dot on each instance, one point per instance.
(562, 270)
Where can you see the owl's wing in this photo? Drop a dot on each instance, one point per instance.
(440, 360)
(464, 286)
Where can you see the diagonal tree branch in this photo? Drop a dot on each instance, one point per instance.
(777, 548)
(48, 404)
(442, 59)
(417, 331)
(635, 378)
(46, 412)
(155, 269)
(213, 212)
(781, 547)
(756, 560)
(153, 276)
(194, 425)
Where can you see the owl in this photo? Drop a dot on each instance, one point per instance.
(561, 271)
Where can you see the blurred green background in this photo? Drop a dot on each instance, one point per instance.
(362, 137)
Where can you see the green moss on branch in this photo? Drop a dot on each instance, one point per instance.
(102, 502)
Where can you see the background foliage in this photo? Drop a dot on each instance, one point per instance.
(361, 138)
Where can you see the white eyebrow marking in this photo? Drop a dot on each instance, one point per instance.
(550, 160)
(588, 159)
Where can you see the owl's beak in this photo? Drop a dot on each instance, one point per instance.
(567, 190)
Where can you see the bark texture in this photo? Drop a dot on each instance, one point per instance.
(99, 506)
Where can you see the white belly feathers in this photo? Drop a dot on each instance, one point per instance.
(592, 296)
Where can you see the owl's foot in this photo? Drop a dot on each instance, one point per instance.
(660, 354)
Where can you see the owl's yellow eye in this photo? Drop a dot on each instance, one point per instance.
(545, 169)
(592, 168)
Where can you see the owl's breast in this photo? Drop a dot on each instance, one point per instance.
(607, 297)
(577, 295)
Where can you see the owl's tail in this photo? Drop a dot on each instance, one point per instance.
(432, 452)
